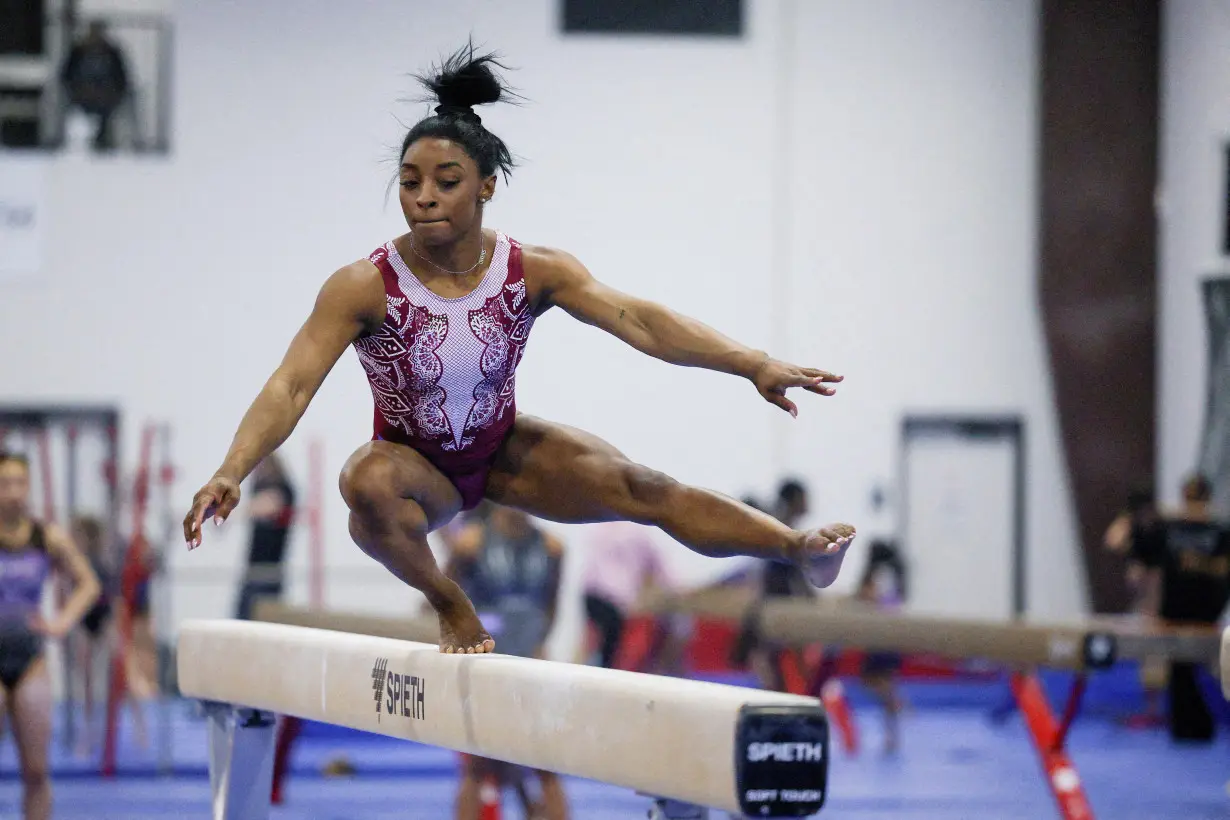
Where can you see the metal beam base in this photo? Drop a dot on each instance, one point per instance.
(240, 761)
(664, 809)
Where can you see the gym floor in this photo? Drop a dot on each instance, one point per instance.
(957, 762)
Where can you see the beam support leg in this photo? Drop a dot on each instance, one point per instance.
(240, 761)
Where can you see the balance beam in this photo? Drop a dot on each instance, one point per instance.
(411, 628)
(1094, 644)
(1022, 646)
(707, 745)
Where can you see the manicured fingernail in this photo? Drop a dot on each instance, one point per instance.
(217, 521)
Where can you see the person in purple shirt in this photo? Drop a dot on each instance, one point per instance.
(29, 550)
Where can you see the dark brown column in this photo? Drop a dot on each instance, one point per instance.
(1098, 289)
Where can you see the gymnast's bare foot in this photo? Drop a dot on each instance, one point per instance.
(823, 551)
(461, 632)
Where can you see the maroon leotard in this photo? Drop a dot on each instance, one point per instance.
(442, 371)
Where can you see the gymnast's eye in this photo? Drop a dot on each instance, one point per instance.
(409, 184)
(448, 184)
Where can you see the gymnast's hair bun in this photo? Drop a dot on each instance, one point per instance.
(465, 79)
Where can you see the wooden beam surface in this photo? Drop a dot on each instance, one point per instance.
(662, 736)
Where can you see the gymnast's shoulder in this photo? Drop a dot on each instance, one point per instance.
(354, 290)
(553, 276)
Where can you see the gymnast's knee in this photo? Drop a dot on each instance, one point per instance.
(649, 492)
(368, 480)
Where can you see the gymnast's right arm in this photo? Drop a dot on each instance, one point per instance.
(350, 303)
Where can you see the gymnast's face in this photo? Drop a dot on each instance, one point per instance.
(14, 489)
(441, 188)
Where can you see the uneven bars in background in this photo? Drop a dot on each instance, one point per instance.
(725, 747)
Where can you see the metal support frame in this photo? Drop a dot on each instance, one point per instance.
(664, 809)
(240, 761)
(1048, 736)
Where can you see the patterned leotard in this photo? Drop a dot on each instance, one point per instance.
(442, 370)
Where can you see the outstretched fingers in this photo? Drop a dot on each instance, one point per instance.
(819, 382)
(822, 375)
(226, 505)
(202, 506)
(779, 398)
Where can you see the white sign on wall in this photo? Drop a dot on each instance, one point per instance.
(23, 214)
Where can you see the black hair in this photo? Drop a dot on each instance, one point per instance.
(886, 554)
(17, 458)
(1197, 488)
(460, 82)
(791, 490)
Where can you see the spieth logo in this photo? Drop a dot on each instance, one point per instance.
(397, 694)
(786, 752)
(379, 672)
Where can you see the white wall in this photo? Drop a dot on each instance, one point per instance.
(899, 227)
(914, 251)
(1195, 129)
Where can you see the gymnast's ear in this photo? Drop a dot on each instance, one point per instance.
(486, 190)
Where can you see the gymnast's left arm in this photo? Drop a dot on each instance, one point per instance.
(664, 334)
(86, 589)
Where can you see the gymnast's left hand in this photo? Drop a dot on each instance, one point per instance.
(217, 499)
(774, 377)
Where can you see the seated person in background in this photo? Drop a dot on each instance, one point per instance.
(1188, 556)
(883, 585)
(511, 570)
(622, 566)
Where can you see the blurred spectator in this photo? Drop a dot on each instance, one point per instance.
(1126, 530)
(777, 580)
(272, 509)
(96, 80)
(93, 641)
(1188, 580)
(511, 570)
(622, 566)
(782, 580)
(884, 586)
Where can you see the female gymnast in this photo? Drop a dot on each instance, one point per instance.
(29, 549)
(439, 318)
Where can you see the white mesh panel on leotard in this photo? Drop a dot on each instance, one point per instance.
(461, 353)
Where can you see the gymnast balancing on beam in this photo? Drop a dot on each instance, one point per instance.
(439, 318)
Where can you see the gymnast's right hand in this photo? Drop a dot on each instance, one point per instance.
(216, 499)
